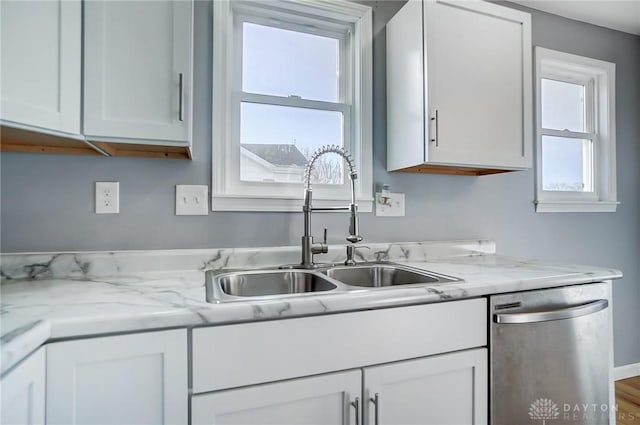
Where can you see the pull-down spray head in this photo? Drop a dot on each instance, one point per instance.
(353, 175)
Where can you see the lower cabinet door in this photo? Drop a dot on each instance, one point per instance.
(127, 379)
(449, 389)
(325, 399)
(22, 392)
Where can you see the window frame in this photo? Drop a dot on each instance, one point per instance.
(598, 78)
(565, 76)
(317, 17)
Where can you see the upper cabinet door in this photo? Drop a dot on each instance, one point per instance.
(479, 84)
(137, 75)
(41, 64)
(458, 88)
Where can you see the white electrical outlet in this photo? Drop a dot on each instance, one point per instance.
(107, 198)
(390, 204)
(192, 199)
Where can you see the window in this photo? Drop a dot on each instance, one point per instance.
(576, 153)
(289, 77)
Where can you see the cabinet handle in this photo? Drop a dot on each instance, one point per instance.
(181, 97)
(356, 405)
(376, 403)
(435, 118)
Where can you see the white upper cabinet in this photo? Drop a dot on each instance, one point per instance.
(41, 64)
(137, 71)
(458, 88)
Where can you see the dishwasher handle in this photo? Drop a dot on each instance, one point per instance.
(554, 314)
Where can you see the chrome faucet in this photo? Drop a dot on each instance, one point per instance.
(309, 247)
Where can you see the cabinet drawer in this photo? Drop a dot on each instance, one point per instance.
(245, 354)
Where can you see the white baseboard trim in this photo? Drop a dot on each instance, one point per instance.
(626, 371)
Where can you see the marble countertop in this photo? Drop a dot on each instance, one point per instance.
(35, 311)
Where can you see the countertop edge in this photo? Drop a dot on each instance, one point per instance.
(27, 339)
(19, 343)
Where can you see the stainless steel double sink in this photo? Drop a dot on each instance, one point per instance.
(241, 285)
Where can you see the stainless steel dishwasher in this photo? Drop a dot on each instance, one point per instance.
(549, 356)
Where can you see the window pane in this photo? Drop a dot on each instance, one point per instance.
(567, 164)
(283, 63)
(563, 106)
(277, 142)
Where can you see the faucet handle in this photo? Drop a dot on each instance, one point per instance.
(320, 248)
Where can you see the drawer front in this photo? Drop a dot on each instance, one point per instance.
(245, 354)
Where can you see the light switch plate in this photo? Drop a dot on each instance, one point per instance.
(192, 199)
(390, 204)
(107, 198)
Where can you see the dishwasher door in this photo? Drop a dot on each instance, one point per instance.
(549, 356)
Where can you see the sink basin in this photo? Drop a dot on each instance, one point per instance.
(243, 285)
(380, 275)
(227, 286)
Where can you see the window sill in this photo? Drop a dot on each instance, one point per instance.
(576, 206)
(257, 204)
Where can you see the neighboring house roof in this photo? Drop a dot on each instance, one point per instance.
(277, 154)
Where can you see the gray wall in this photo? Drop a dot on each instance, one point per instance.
(47, 200)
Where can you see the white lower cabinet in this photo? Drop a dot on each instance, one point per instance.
(22, 392)
(380, 367)
(126, 379)
(449, 389)
(325, 399)
(373, 367)
(239, 355)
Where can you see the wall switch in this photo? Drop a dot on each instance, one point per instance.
(192, 199)
(107, 197)
(390, 204)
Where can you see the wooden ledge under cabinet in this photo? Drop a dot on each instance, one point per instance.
(20, 140)
(144, 151)
(455, 170)
(14, 139)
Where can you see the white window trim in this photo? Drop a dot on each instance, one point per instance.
(600, 78)
(226, 195)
